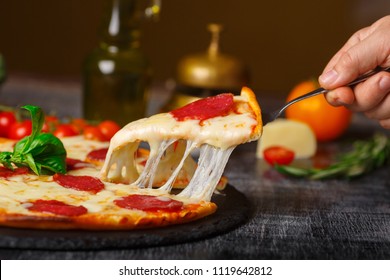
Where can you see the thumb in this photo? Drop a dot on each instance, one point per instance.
(356, 59)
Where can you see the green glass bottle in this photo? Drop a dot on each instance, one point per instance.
(116, 74)
(2, 69)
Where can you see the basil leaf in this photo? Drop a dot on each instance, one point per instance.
(41, 152)
(29, 159)
(49, 152)
(38, 119)
(5, 159)
(52, 164)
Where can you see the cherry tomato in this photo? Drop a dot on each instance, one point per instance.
(94, 133)
(6, 121)
(79, 124)
(45, 127)
(65, 130)
(278, 155)
(108, 128)
(19, 130)
(50, 124)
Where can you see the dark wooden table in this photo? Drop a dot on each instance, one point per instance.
(289, 218)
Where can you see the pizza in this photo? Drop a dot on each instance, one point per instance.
(156, 171)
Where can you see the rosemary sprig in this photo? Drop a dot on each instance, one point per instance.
(365, 156)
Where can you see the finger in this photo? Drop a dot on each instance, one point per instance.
(355, 39)
(367, 50)
(341, 96)
(381, 111)
(369, 94)
(385, 123)
(359, 59)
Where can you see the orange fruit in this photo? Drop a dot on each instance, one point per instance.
(328, 122)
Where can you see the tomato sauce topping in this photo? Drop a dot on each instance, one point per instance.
(98, 154)
(149, 203)
(57, 207)
(6, 172)
(80, 183)
(206, 108)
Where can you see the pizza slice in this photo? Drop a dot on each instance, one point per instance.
(214, 125)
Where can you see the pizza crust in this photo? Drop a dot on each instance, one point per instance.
(101, 221)
(251, 99)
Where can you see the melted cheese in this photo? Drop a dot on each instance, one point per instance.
(16, 192)
(77, 147)
(221, 132)
(215, 137)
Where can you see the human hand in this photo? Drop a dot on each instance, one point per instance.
(364, 51)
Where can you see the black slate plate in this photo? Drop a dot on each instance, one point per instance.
(233, 210)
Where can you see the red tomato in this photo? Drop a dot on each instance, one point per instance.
(50, 123)
(278, 155)
(79, 124)
(45, 128)
(19, 130)
(94, 133)
(65, 130)
(108, 128)
(6, 120)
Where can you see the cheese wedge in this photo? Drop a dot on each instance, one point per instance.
(294, 135)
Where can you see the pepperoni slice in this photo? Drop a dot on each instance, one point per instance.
(206, 108)
(74, 164)
(6, 172)
(98, 154)
(80, 183)
(57, 207)
(149, 203)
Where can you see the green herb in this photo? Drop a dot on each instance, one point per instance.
(363, 158)
(43, 153)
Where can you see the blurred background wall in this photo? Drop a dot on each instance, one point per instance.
(282, 42)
